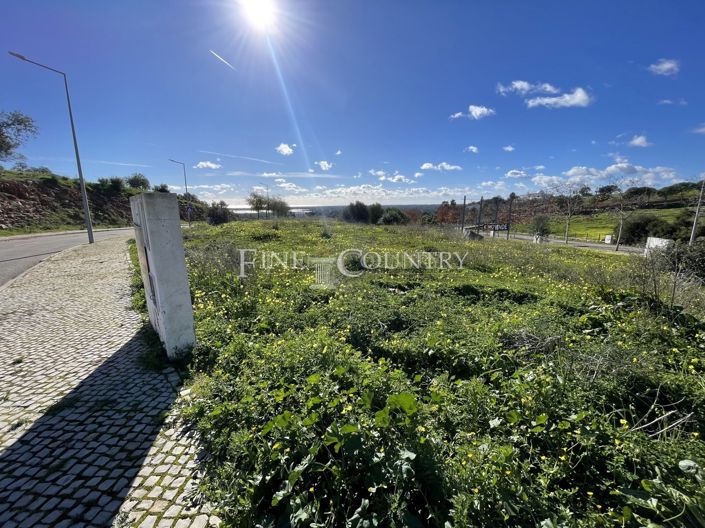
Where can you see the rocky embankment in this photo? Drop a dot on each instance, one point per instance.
(53, 202)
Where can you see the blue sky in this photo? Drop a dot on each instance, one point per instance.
(396, 101)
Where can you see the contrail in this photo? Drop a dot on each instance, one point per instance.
(239, 157)
(221, 59)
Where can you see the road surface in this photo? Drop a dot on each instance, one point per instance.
(580, 244)
(19, 253)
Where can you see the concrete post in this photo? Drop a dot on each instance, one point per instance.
(162, 262)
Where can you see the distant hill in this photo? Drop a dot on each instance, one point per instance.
(39, 200)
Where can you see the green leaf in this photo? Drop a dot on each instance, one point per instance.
(404, 401)
(313, 379)
(541, 419)
(513, 417)
(348, 429)
(382, 418)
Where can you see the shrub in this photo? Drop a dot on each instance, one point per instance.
(540, 225)
(375, 212)
(357, 212)
(393, 216)
(138, 181)
(637, 228)
(162, 187)
(218, 213)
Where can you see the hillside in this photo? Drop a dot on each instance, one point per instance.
(39, 200)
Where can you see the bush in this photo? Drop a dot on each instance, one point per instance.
(357, 212)
(138, 181)
(218, 213)
(393, 216)
(637, 229)
(375, 212)
(162, 187)
(541, 225)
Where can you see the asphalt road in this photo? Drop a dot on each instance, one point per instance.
(19, 253)
(587, 245)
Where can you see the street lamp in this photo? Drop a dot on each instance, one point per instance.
(82, 182)
(188, 196)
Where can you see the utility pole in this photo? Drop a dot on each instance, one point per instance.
(81, 181)
(479, 213)
(462, 224)
(697, 213)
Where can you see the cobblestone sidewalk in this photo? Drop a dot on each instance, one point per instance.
(87, 432)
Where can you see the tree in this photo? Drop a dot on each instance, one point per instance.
(162, 187)
(257, 202)
(393, 216)
(568, 199)
(218, 213)
(623, 213)
(357, 212)
(376, 211)
(278, 207)
(447, 213)
(138, 181)
(15, 129)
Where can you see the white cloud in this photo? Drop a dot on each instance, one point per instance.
(324, 165)
(396, 178)
(285, 150)
(636, 174)
(206, 165)
(515, 173)
(524, 87)
(539, 167)
(496, 186)
(472, 148)
(666, 67)
(442, 166)
(542, 180)
(700, 129)
(579, 97)
(289, 186)
(474, 112)
(478, 112)
(679, 102)
(377, 173)
(418, 174)
(508, 148)
(640, 141)
(338, 152)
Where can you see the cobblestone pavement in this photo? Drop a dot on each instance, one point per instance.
(88, 435)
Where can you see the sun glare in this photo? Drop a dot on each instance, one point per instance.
(261, 14)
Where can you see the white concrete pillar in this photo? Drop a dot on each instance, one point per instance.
(160, 247)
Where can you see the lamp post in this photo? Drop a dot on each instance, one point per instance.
(82, 182)
(188, 196)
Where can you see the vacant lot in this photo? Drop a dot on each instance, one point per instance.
(534, 386)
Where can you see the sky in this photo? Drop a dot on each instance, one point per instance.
(390, 101)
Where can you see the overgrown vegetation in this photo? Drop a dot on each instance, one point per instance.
(538, 385)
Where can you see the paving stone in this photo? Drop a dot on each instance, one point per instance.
(78, 453)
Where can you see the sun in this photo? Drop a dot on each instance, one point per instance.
(261, 14)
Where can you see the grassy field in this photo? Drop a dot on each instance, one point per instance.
(536, 386)
(595, 227)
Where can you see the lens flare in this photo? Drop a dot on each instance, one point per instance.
(261, 14)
